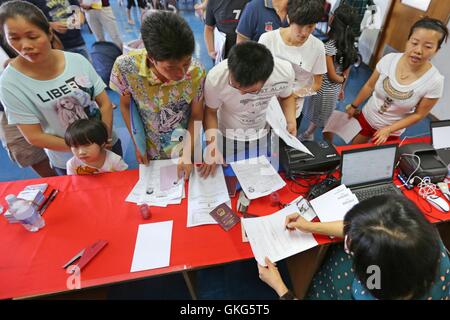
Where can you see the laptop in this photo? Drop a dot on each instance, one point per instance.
(369, 172)
(440, 139)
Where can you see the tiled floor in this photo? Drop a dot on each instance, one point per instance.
(233, 281)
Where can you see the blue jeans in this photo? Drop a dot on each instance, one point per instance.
(116, 148)
(81, 50)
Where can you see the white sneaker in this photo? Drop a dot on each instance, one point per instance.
(303, 137)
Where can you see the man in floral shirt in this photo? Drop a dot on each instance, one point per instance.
(166, 86)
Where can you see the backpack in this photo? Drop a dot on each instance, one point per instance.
(103, 55)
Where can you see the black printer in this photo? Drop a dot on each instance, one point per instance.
(421, 160)
(295, 163)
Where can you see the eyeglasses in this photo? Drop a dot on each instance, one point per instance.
(230, 83)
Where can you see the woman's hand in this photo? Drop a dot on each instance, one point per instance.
(292, 128)
(296, 221)
(272, 277)
(351, 111)
(381, 135)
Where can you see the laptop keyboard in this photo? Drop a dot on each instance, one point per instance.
(375, 191)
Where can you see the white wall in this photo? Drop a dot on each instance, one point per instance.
(442, 109)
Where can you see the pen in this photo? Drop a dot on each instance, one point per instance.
(49, 200)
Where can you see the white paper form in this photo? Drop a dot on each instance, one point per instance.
(257, 177)
(340, 124)
(204, 195)
(269, 237)
(152, 248)
(333, 205)
(275, 118)
(219, 44)
(147, 190)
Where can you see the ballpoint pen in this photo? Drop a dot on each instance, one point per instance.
(50, 199)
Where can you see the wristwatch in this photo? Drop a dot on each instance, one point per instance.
(350, 105)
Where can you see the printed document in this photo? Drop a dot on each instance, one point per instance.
(269, 237)
(204, 195)
(275, 118)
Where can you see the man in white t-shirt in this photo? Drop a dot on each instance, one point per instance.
(297, 45)
(237, 94)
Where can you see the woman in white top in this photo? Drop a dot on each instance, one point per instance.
(404, 87)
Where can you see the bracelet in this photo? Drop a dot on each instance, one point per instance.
(350, 105)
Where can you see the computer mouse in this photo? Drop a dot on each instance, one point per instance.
(438, 202)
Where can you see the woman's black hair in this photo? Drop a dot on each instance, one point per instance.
(345, 18)
(86, 131)
(28, 11)
(431, 24)
(390, 232)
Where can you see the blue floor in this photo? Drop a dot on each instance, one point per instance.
(233, 281)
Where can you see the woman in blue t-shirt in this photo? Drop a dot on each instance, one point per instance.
(390, 251)
(43, 89)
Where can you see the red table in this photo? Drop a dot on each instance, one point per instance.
(90, 208)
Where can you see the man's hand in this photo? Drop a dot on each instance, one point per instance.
(292, 128)
(59, 27)
(209, 167)
(184, 168)
(141, 159)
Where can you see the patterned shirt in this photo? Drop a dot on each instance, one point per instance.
(165, 108)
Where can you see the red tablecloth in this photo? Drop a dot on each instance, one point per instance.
(93, 208)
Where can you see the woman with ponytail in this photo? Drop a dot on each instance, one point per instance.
(340, 55)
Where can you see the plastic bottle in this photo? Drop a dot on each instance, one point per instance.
(25, 212)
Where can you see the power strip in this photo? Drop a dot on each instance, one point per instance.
(322, 187)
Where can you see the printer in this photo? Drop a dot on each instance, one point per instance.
(295, 162)
(421, 160)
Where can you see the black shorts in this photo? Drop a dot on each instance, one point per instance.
(141, 3)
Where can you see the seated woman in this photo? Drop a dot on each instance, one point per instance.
(404, 87)
(390, 252)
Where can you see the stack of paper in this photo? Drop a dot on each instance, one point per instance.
(333, 205)
(204, 196)
(156, 186)
(269, 237)
(257, 177)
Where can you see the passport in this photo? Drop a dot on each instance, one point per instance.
(224, 216)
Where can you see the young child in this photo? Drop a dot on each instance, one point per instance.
(340, 55)
(87, 139)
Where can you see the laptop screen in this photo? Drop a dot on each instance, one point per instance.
(368, 165)
(440, 131)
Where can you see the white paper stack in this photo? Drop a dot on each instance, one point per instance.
(333, 205)
(148, 188)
